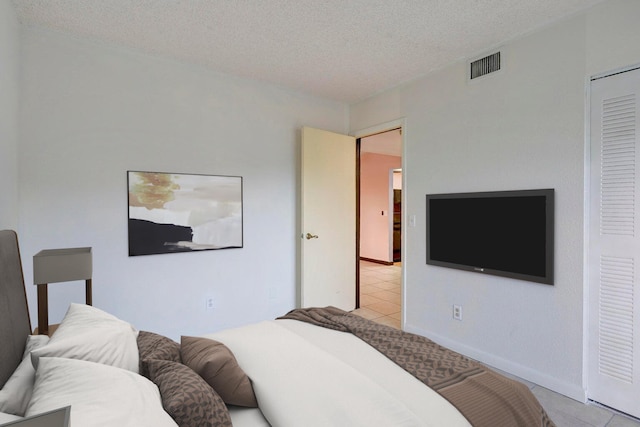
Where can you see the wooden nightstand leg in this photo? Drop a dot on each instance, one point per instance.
(89, 297)
(43, 310)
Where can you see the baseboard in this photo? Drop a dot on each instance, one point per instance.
(536, 377)
(377, 261)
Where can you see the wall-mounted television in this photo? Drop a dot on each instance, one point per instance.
(504, 233)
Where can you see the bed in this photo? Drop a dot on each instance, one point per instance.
(311, 367)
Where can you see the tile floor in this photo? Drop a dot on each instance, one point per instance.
(380, 301)
(380, 293)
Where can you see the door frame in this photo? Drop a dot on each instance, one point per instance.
(359, 134)
(392, 172)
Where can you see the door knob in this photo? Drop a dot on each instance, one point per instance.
(311, 236)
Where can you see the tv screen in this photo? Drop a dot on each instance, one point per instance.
(504, 233)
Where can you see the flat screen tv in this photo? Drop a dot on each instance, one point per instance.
(504, 233)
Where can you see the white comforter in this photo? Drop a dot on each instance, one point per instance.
(304, 375)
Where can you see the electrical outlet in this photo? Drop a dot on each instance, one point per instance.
(457, 312)
(209, 303)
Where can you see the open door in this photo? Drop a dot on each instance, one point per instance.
(328, 219)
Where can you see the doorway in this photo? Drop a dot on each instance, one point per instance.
(379, 278)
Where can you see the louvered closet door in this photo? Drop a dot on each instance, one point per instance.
(614, 247)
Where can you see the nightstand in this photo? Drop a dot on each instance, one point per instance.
(59, 265)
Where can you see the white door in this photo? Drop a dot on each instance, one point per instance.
(328, 219)
(614, 247)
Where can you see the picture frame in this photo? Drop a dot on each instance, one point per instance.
(178, 212)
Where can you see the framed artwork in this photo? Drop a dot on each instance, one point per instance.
(170, 212)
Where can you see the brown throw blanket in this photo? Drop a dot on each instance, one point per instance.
(484, 397)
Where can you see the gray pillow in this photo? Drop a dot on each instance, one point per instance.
(189, 400)
(214, 362)
(154, 346)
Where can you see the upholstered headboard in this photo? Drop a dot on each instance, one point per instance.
(15, 324)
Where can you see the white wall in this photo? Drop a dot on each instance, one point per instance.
(521, 128)
(9, 105)
(91, 111)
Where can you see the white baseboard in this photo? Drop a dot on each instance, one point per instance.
(574, 391)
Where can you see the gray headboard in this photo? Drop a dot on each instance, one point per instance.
(15, 324)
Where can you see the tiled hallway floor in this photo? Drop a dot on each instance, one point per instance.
(380, 293)
(380, 301)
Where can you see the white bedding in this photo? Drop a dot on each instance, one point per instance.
(247, 417)
(311, 376)
(302, 375)
(5, 418)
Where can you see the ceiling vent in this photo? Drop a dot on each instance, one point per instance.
(483, 66)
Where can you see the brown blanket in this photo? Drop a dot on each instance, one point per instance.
(483, 396)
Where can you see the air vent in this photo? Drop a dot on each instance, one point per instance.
(484, 66)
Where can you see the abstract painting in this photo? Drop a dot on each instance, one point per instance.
(170, 212)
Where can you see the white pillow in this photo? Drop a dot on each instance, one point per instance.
(99, 395)
(87, 333)
(5, 418)
(15, 394)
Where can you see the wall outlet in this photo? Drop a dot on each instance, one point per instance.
(209, 303)
(457, 312)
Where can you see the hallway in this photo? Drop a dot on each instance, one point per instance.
(380, 293)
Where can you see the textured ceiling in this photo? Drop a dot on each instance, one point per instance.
(389, 143)
(344, 50)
